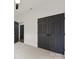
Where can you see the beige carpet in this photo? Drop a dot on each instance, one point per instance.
(23, 51)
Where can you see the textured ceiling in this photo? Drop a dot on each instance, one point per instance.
(25, 5)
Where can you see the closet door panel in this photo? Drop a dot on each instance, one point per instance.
(59, 34)
(42, 35)
(51, 31)
(57, 37)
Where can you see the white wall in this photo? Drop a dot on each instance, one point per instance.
(48, 8)
(17, 17)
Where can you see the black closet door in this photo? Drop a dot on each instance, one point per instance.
(58, 47)
(51, 33)
(59, 34)
(62, 21)
(43, 41)
(56, 28)
(16, 31)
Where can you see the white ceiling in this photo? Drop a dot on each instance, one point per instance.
(25, 5)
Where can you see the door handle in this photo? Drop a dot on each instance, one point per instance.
(48, 34)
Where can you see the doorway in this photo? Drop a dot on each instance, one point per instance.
(22, 33)
(16, 32)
